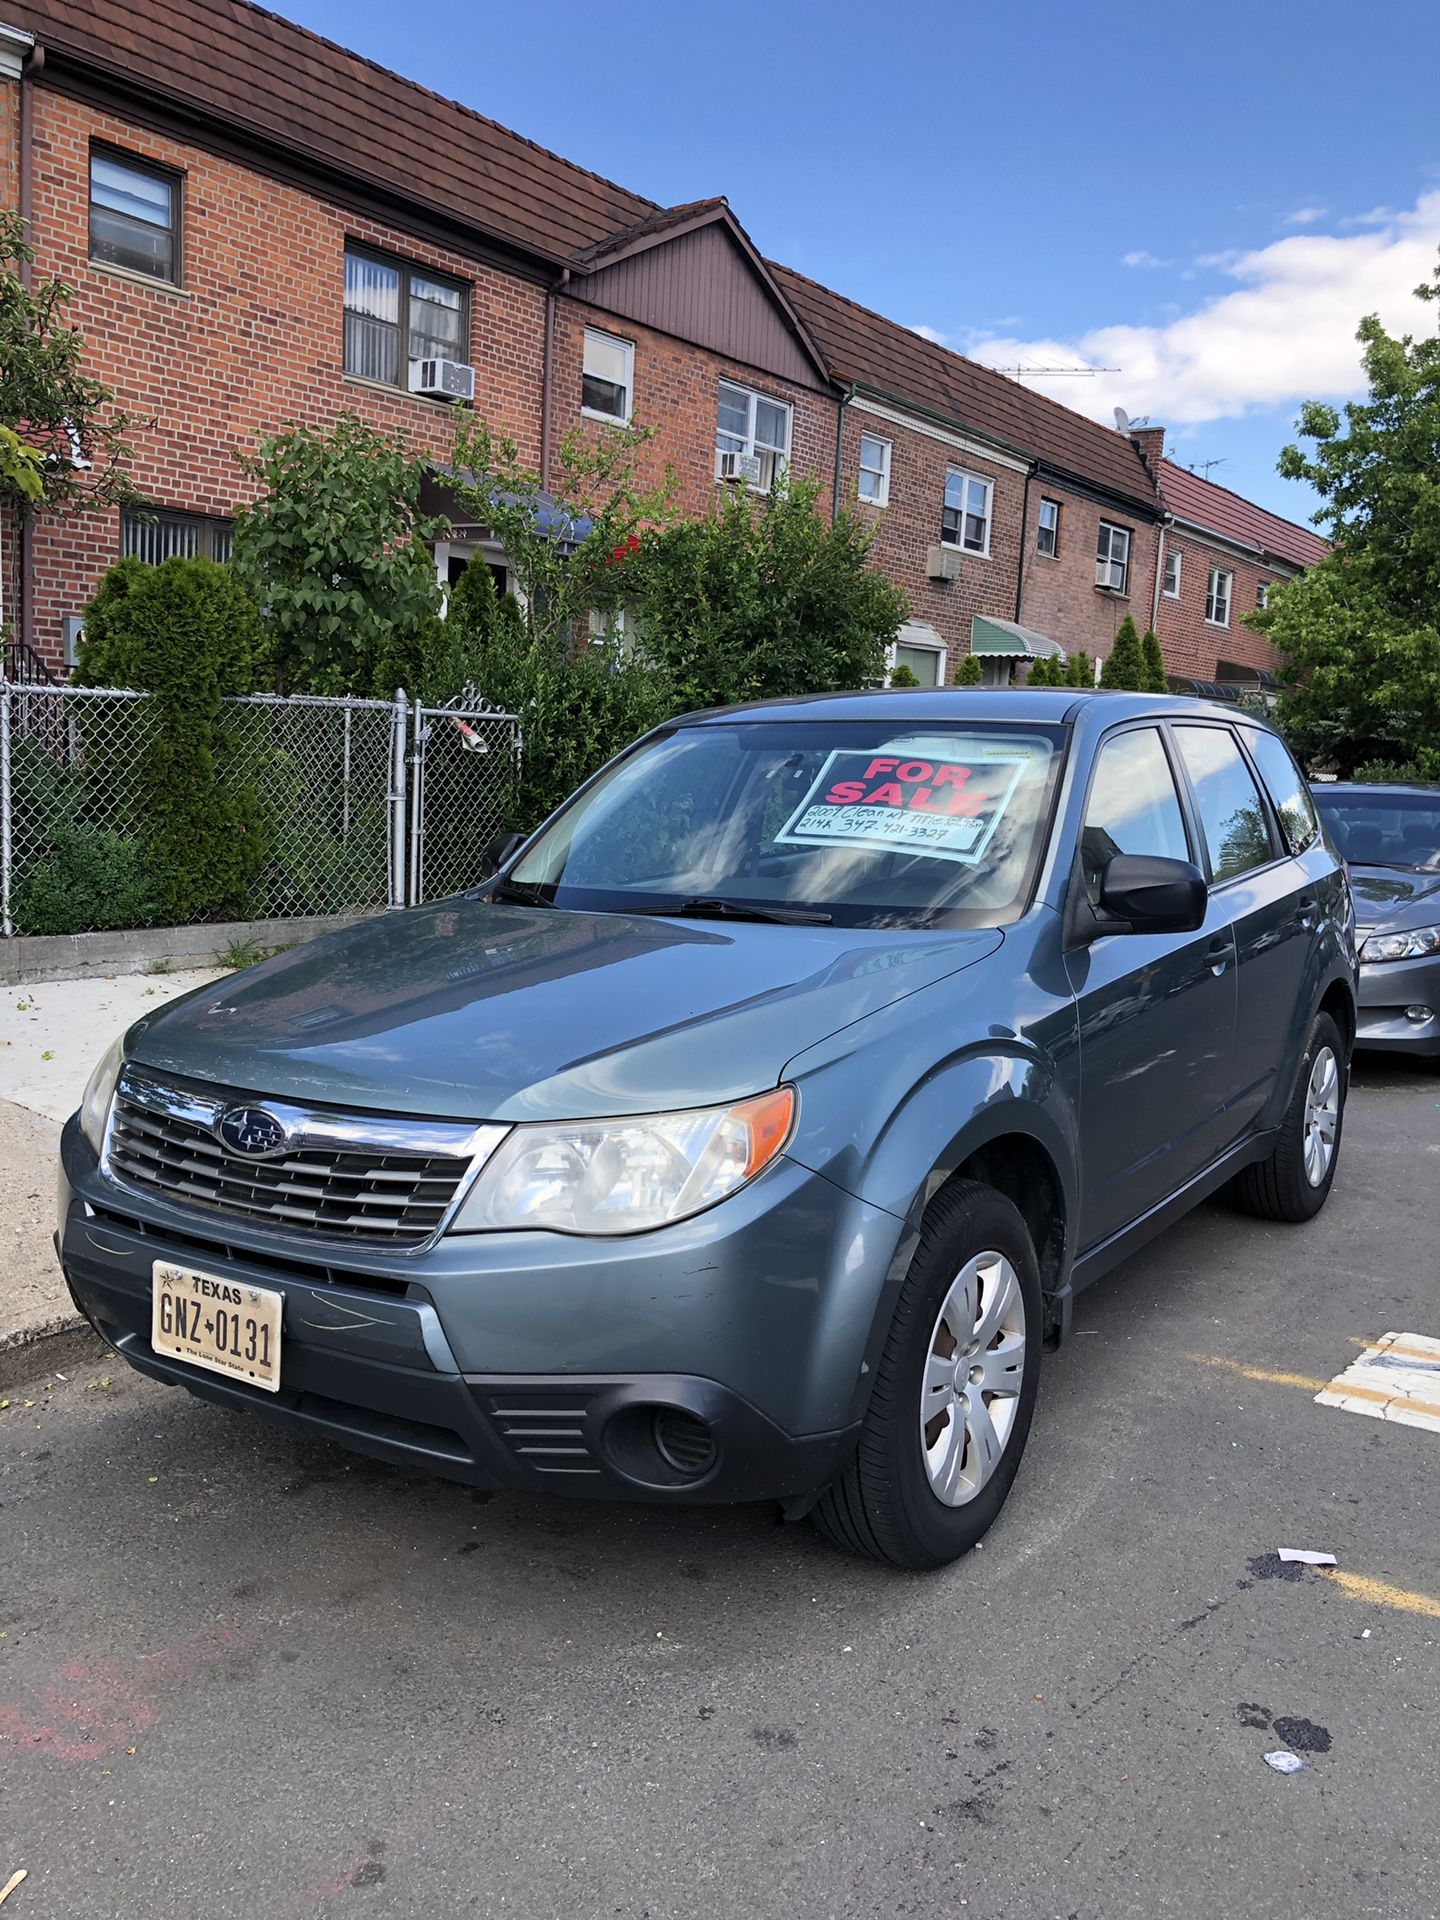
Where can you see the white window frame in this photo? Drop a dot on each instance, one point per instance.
(1213, 597)
(1106, 562)
(942, 658)
(881, 496)
(1052, 552)
(778, 457)
(1262, 595)
(966, 477)
(627, 349)
(1173, 558)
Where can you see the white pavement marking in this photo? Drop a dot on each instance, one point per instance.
(52, 1033)
(1398, 1378)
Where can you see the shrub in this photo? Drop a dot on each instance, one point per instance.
(87, 879)
(1387, 772)
(1124, 667)
(903, 676)
(187, 633)
(969, 672)
(1155, 680)
(1079, 673)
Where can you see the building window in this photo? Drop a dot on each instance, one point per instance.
(926, 662)
(1112, 558)
(1218, 592)
(752, 437)
(379, 295)
(153, 535)
(874, 470)
(1047, 533)
(1172, 574)
(965, 522)
(609, 377)
(1262, 596)
(134, 215)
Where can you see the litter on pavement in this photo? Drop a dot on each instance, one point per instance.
(1307, 1556)
(1284, 1762)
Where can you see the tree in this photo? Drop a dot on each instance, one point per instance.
(1359, 634)
(334, 552)
(1079, 673)
(64, 445)
(1155, 680)
(186, 633)
(763, 598)
(970, 672)
(1124, 668)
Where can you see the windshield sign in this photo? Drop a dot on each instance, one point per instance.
(860, 822)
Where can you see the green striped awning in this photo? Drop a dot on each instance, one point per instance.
(1007, 639)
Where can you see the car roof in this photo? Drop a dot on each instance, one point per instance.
(1359, 787)
(1052, 706)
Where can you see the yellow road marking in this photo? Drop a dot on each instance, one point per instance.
(1304, 1381)
(1379, 1593)
(1387, 1346)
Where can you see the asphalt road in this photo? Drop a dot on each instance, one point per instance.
(241, 1675)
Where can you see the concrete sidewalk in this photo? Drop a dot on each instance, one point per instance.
(51, 1036)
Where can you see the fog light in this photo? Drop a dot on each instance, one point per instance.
(1419, 1014)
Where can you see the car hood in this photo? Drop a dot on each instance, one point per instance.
(1391, 899)
(472, 1011)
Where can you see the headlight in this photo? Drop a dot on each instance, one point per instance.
(626, 1175)
(95, 1106)
(1414, 945)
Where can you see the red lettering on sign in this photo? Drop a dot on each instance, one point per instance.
(879, 766)
(845, 793)
(915, 770)
(951, 776)
(887, 796)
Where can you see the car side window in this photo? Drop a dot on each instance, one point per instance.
(1133, 806)
(1232, 814)
(1286, 786)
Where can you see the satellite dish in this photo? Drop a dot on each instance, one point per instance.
(1122, 420)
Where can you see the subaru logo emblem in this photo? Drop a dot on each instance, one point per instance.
(252, 1131)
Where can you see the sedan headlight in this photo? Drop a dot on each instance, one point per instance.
(1417, 944)
(626, 1175)
(95, 1105)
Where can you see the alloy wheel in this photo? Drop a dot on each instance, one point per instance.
(1322, 1115)
(974, 1368)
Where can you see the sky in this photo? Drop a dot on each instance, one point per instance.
(1206, 200)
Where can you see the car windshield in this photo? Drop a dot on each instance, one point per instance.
(1388, 827)
(866, 823)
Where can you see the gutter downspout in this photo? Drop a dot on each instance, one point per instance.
(1024, 542)
(1167, 520)
(548, 373)
(33, 63)
(845, 399)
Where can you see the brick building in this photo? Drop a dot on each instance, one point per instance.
(274, 229)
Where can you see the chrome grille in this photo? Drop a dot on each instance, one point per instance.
(392, 1181)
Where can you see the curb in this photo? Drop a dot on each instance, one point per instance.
(65, 1341)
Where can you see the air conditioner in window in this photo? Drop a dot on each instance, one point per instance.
(738, 466)
(442, 379)
(942, 563)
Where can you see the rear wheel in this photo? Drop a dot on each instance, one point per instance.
(1294, 1182)
(954, 1391)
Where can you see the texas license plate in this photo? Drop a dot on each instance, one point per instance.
(227, 1326)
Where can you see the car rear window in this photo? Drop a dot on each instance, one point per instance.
(1232, 814)
(1286, 786)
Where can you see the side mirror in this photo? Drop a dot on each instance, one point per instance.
(502, 849)
(1151, 894)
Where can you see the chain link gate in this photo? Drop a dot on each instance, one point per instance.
(464, 764)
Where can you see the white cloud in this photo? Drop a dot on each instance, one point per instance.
(1305, 216)
(934, 335)
(1141, 257)
(1283, 333)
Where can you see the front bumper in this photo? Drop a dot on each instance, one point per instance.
(738, 1348)
(1387, 988)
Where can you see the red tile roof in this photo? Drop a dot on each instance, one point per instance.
(861, 345)
(1189, 497)
(273, 81)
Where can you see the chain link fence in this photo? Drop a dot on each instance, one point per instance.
(364, 803)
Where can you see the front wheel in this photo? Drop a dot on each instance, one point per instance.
(954, 1390)
(1294, 1182)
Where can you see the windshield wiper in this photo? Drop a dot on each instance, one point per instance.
(513, 890)
(707, 909)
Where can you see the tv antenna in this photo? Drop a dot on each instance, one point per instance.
(1078, 373)
(1202, 467)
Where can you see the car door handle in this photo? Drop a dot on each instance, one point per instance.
(1219, 954)
(1307, 912)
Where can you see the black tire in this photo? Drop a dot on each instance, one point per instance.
(883, 1504)
(1279, 1188)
